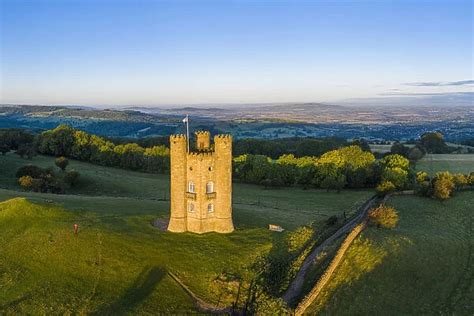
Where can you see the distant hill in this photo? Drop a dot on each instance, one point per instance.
(275, 120)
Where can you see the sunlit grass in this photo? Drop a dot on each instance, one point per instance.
(454, 163)
(423, 266)
(117, 260)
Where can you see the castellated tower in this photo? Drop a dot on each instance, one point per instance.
(201, 184)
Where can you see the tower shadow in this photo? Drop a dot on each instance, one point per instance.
(138, 292)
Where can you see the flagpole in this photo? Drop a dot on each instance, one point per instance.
(187, 131)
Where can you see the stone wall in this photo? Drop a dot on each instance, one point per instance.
(313, 294)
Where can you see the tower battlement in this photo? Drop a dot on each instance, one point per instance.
(201, 153)
(201, 184)
(178, 137)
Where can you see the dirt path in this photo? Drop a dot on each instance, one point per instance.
(297, 284)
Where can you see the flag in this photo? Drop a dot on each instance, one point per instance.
(185, 120)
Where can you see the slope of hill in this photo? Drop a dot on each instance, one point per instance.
(118, 261)
(424, 266)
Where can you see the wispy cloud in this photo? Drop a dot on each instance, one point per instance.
(414, 94)
(440, 83)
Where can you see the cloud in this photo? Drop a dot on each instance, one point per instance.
(440, 83)
(414, 94)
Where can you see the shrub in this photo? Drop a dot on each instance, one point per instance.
(460, 180)
(4, 148)
(27, 150)
(383, 216)
(385, 187)
(26, 182)
(443, 185)
(61, 162)
(30, 170)
(424, 188)
(470, 179)
(421, 176)
(71, 178)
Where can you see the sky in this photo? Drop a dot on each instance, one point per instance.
(152, 53)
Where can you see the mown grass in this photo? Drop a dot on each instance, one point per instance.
(454, 163)
(424, 266)
(118, 261)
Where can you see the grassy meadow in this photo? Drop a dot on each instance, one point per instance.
(118, 261)
(424, 266)
(454, 163)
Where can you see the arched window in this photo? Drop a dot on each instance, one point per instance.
(210, 208)
(191, 187)
(210, 187)
(190, 207)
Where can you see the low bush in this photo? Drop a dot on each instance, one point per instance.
(443, 185)
(31, 170)
(383, 216)
(61, 162)
(385, 187)
(37, 179)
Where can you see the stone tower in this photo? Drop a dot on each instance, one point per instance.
(201, 184)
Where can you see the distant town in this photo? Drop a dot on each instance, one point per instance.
(373, 123)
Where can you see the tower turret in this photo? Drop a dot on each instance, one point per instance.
(203, 140)
(178, 165)
(223, 166)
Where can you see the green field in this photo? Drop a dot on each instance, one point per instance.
(424, 266)
(118, 261)
(454, 163)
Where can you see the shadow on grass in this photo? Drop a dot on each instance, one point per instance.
(138, 292)
(11, 304)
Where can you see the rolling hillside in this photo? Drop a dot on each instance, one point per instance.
(118, 261)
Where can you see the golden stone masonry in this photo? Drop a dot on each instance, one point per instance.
(201, 184)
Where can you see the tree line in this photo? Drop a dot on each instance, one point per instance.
(346, 167)
(72, 143)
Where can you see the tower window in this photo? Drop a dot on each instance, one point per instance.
(190, 207)
(210, 187)
(191, 187)
(210, 208)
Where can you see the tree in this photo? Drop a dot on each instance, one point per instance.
(27, 150)
(434, 143)
(61, 162)
(383, 216)
(4, 146)
(333, 179)
(395, 169)
(399, 149)
(443, 185)
(362, 143)
(57, 142)
(415, 154)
